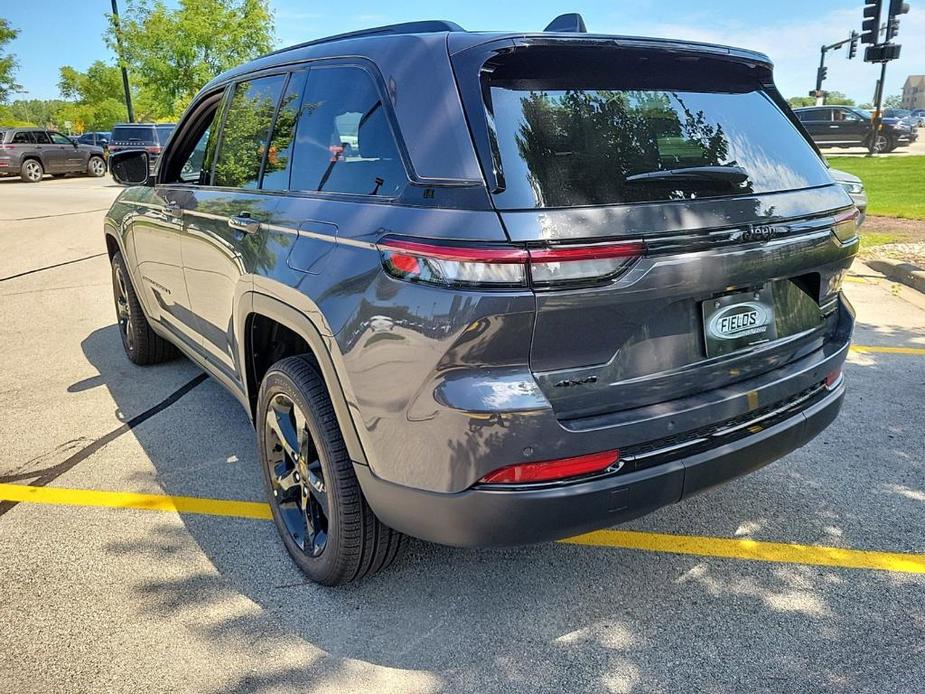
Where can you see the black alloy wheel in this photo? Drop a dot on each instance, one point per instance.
(296, 476)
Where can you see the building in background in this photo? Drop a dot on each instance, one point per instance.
(914, 92)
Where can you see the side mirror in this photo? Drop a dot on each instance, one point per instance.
(131, 167)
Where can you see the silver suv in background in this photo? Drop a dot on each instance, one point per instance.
(30, 153)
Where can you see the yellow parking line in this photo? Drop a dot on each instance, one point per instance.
(728, 548)
(754, 550)
(874, 349)
(144, 502)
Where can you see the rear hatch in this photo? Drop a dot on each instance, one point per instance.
(687, 155)
(135, 137)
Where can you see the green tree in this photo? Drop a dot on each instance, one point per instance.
(838, 99)
(894, 101)
(801, 101)
(38, 112)
(8, 64)
(174, 52)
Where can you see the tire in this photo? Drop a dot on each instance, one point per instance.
(891, 144)
(96, 167)
(31, 171)
(355, 543)
(141, 344)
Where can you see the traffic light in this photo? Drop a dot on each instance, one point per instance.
(897, 7)
(853, 45)
(821, 74)
(870, 27)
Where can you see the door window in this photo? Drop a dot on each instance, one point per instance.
(41, 137)
(246, 132)
(60, 139)
(22, 139)
(344, 143)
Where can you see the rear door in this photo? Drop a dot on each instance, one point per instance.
(682, 223)
(818, 123)
(50, 155)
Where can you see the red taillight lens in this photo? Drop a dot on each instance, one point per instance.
(833, 378)
(552, 470)
(845, 227)
(153, 150)
(506, 266)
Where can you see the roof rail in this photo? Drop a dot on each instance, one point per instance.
(571, 22)
(426, 26)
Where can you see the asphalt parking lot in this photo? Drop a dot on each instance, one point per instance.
(808, 575)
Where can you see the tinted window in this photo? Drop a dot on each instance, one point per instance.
(141, 135)
(164, 132)
(21, 138)
(246, 132)
(601, 132)
(279, 154)
(343, 140)
(41, 137)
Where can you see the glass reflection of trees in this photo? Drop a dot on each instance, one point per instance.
(246, 132)
(580, 145)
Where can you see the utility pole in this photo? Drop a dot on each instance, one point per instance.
(125, 87)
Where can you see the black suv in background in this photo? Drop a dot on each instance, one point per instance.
(150, 137)
(491, 288)
(846, 126)
(30, 153)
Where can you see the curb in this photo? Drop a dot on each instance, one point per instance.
(898, 271)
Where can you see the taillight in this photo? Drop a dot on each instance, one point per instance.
(552, 470)
(845, 227)
(507, 266)
(153, 150)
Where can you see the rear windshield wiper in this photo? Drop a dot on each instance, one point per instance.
(724, 174)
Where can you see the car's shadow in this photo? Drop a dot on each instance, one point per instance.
(552, 617)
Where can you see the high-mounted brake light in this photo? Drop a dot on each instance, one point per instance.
(506, 266)
(552, 470)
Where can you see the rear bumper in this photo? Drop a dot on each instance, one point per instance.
(484, 517)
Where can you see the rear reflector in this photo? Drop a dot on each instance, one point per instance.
(506, 266)
(833, 378)
(552, 470)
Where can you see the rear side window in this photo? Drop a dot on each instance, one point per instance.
(246, 132)
(595, 127)
(41, 137)
(22, 139)
(140, 135)
(344, 143)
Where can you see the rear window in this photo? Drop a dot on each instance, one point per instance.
(135, 134)
(164, 132)
(592, 127)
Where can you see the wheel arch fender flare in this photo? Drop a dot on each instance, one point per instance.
(323, 350)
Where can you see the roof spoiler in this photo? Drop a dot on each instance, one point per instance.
(570, 23)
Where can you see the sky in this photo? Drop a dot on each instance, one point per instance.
(69, 32)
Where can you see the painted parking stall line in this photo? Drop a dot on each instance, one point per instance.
(725, 548)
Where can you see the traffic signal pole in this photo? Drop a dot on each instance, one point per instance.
(822, 71)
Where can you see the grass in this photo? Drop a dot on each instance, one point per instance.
(895, 185)
(873, 239)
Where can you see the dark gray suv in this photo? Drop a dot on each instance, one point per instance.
(30, 153)
(487, 289)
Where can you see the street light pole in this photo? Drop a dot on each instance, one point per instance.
(125, 87)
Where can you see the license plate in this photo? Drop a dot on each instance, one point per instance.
(738, 321)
